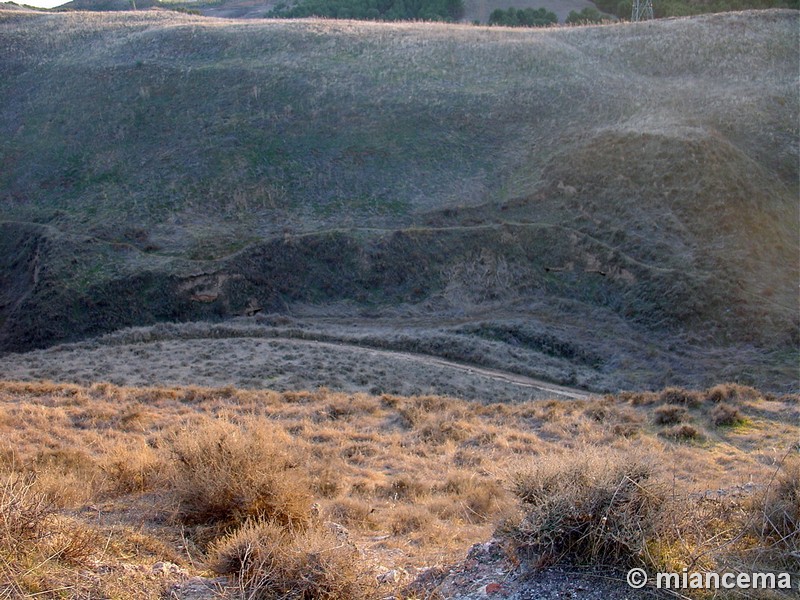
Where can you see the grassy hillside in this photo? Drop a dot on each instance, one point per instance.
(168, 167)
(474, 10)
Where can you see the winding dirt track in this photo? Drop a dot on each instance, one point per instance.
(495, 374)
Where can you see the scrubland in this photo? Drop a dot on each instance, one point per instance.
(315, 494)
(413, 222)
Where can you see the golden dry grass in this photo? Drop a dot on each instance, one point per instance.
(126, 477)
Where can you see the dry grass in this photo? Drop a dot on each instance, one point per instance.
(273, 562)
(724, 414)
(595, 507)
(669, 414)
(620, 509)
(197, 475)
(775, 518)
(224, 474)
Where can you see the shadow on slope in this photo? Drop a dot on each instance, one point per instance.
(168, 168)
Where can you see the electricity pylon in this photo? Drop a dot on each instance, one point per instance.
(642, 10)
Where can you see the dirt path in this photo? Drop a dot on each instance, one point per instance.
(280, 361)
(494, 374)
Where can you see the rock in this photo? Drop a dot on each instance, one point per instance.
(199, 588)
(165, 568)
(493, 588)
(392, 576)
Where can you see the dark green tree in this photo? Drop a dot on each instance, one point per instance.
(587, 16)
(523, 17)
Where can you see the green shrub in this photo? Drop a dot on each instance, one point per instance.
(385, 10)
(587, 16)
(523, 17)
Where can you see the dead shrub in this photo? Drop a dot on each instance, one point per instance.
(405, 488)
(66, 476)
(480, 501)
(107, 391)
(350, 511)
(467, 458)
(24, 513)
(589, 508)
(342, 407)
(407, 519)
(669, 414)
(601, 410)
(472, 499)
(776, 521)
(34, 539)
(133, 468)
(723, 414)
(271, 561)
(416, 412)
(357, 454)
(328, 481)
(626, 429)
(71, 542)
(440, 431)
(730, 392)
(226, 473)
(674, 395)
(683, 432)
(638, 398)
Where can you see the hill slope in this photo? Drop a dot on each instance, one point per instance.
(168, 167)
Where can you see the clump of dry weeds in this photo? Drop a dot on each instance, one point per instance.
(776, 518)
(35, 541)
(592, 507)
(271, 560)
(225, 474)
(724, 414)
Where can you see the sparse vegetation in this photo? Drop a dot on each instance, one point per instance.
(223, 479)
(725, 415)
(687, 398)
(682, 432)
(619, 510)
(473, 184)
(775, 517)
(273, 562)
(669, 414)
(226, 474)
